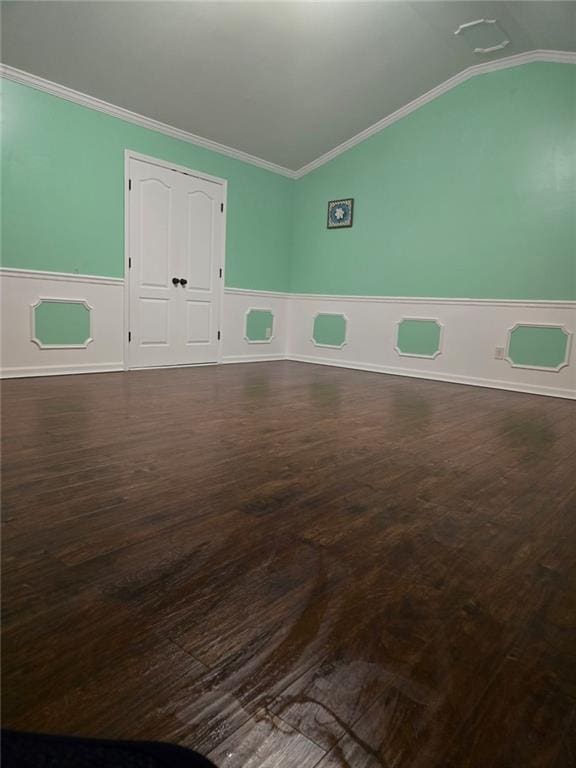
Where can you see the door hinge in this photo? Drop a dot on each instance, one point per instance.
(129, 335)
(129, 184)
(221, 207)
(129, 262)
(219, 335)
(220, 271)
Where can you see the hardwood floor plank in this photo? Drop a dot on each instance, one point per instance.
(266, 742)
(287, 564)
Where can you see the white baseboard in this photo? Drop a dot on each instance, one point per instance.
(63, 370)
(451, 379)
(252, 358)
(59, 370)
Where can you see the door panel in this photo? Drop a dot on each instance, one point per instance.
(155, 222)
(200, 240)
(154, 321)
(176, 231)
(198, 322)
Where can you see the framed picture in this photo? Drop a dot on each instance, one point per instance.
(340, 213)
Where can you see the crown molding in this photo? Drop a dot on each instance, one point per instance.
(558, 57)
(40, 84)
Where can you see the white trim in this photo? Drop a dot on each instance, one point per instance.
(230, 359)
(35, 274)
(259, 341)
(178, 365)
(413, 354)
(39, 83)
(534, 303)
(57, 300)
(529, 57)
(59, 370)
(330, 314)
(259, 293)
(477, 23)
(132, 155)
(126, 302)
(68, 277)
(521, 324)
(452, 379)
(167, 165)
(69, 94)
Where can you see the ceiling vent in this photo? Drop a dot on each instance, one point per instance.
(483, 35)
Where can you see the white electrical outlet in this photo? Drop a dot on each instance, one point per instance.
(499, 353)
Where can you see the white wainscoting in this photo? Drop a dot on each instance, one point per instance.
(472, 329)
(20, 289)
(237, 303)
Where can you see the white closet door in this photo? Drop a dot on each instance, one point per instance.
(176, 231)
(200, 268)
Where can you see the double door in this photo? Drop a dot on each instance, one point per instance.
(176, 235)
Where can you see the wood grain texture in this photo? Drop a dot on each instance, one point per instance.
(290, 565)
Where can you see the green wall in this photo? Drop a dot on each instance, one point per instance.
(472, 195)
(63, 193)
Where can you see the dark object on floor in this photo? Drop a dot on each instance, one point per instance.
(31, 750)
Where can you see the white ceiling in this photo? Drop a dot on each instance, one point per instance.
(284, 81)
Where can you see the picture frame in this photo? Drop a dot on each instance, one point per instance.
(340, 214)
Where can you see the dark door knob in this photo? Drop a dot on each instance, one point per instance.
(175, 280)
(183, 281)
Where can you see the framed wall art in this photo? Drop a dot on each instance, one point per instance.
(340, 213)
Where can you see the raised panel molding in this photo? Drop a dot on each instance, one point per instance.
(34, 331)
(434, 321)
(535, 367)
(259, 310)
(315, 330)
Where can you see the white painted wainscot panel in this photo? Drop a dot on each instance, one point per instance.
(237, 303)
(21, 289)
(472, 329)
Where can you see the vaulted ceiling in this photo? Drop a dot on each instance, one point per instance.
(284, 81)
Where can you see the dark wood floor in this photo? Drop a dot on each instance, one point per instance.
(289, 566)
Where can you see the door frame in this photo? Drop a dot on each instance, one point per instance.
(129, 155)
